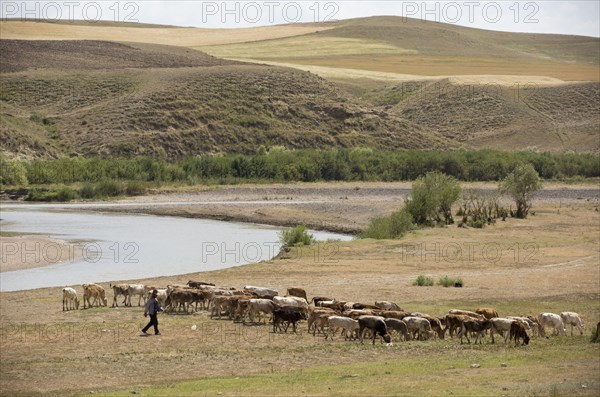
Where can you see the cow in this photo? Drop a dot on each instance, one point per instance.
(454, 322)
(398, 326)
(377, 326)
(136, 289)
(70, 299)
(263, 292)
(258, 306)
(419, 327)
(286, 315)
(386, 305)
(317, 319)
(476, 326)
(436, 324)
(119, 289)
(487, 312)
(292, 301)
(182, 299)
(501, 326)
(298, 292)
(95, 291)
(517, 331)
(554, 321)
(317, 299)
(530, 323)
(398, 315)
(572, 319)
(474, 315)
(349, 326)
(199, 284)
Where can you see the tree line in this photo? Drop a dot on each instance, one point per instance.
(280, 165)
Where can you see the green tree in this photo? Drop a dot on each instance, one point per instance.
(432, 198)
(12, 173)
(521, 184)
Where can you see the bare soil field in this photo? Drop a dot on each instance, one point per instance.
(549, 262)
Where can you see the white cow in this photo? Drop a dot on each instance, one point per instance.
(387, 305)
(501, 326)
(572, 319)
(258, 306)
(349, 327)
(70, 299)
(262, 291)
(136, 289)
(419, 327)
(292, 301)
(552, 320)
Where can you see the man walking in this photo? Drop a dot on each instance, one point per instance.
(152, 308)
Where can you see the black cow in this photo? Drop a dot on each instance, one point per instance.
(286, 316)
(376, 325)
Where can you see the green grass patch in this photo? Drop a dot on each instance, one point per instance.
(424, 281)
(450, 282)
(295, 236)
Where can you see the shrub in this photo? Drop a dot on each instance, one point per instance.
(135, 188)
(432, 198)
(521, 184)
(63, 193)
(396, 225)
(87, 191)
(295, 236)
(423, 281)
(108, 188)
(450, 282)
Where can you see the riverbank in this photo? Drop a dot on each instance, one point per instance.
(340, 207)
(23, 251)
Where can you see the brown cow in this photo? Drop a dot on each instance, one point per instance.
(297, 292)
(472, 325)
(517, 331)
(487, 312)
(95, 291)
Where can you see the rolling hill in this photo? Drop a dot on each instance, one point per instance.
(117, 90)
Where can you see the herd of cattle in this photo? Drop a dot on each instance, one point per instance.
(328, 316)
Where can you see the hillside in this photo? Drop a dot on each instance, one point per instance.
(380, 82)
(153, 100)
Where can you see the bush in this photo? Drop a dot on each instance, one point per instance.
(87, 191)
(108, 188)
(423, 281)
(135, 188)
(450, 282)
(396, 225)
(63, 193)
(432, 198)
(295, 236)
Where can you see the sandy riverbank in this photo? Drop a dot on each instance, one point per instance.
(343, 207)
(30, 251)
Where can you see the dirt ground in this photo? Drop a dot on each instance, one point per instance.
(26, 252)
(549, 262)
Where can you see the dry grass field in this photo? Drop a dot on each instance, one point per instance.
(151, 34)
(549, 262)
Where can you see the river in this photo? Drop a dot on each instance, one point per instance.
(111, 246)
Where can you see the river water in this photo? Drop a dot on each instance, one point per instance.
(110, 246)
